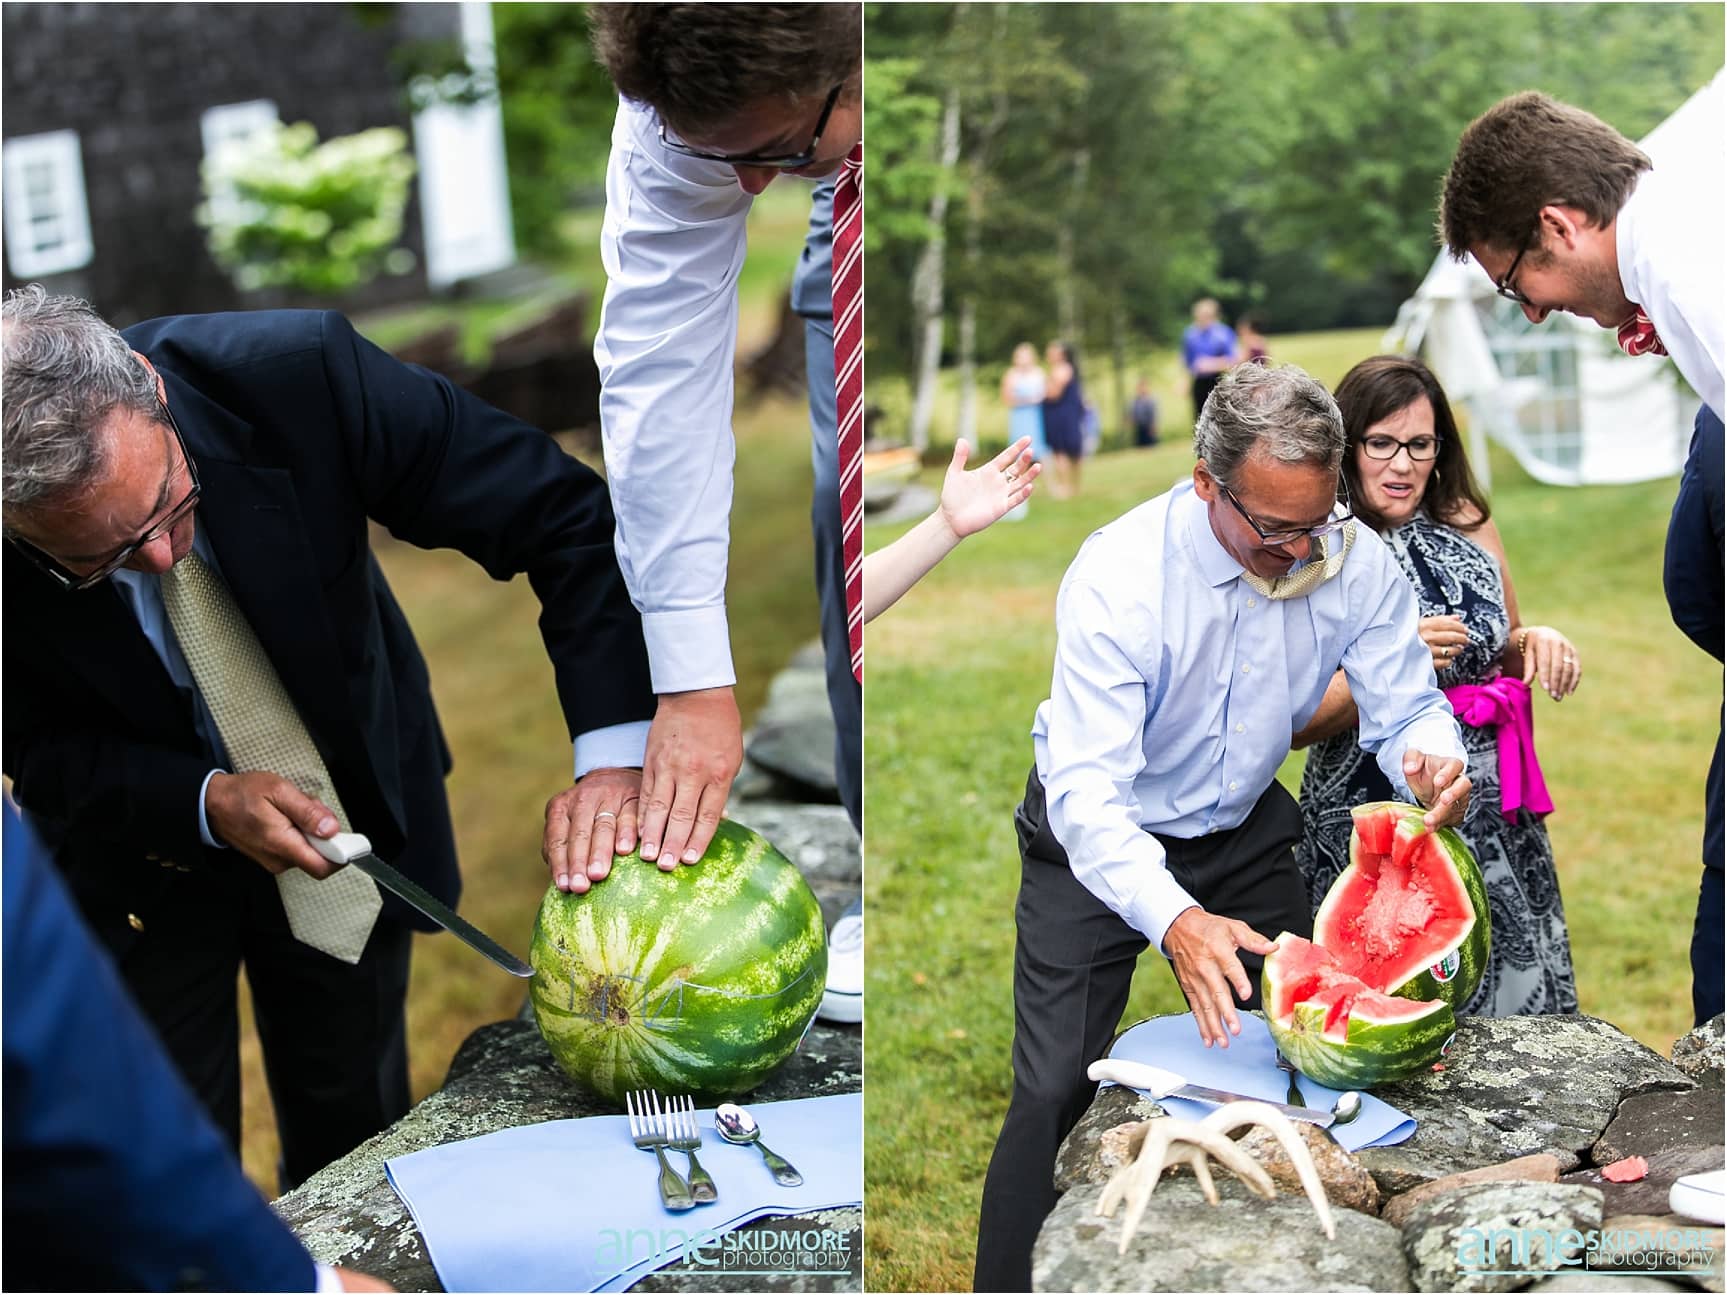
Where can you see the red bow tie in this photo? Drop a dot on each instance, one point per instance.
(1637, 336)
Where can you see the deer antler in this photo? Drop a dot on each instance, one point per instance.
(1171, 1141)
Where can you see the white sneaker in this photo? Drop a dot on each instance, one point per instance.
(842, 1001)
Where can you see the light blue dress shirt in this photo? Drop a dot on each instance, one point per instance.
(616, 746)
(1177, 688)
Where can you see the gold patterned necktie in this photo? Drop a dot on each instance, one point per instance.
(263, 731)
(1322, 567)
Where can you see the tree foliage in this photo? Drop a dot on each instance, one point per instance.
(1282, 157)
(558, 108)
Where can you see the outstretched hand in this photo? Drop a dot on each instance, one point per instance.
(1201, 948)
(970, 501)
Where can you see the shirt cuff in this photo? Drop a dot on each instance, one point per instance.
(204, 832)
(618, 746)
(328, 1282)
(1154, 910)
(689, 649)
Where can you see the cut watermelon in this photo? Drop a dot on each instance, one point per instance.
(1409, 914)
(1399, 945)
(1340, 1031)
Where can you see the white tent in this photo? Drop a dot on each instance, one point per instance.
(1561, 396)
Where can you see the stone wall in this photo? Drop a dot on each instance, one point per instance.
(1511, 1140)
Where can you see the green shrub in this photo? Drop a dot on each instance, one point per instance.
(284, 211)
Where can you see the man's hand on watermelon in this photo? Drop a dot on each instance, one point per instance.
(1438, 783)
(589, 822)
(262, 815)
(1201, 949)
(695, 746)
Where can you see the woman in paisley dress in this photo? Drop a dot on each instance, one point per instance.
(1408, 479)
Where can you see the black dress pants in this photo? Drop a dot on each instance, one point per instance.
(1072, 968)
(334, 1036)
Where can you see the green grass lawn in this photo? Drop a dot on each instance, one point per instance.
(956, 671)
(493, 683)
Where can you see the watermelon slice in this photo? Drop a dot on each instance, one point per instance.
(1338, 1030)
(1409, 914)
(1399, 945)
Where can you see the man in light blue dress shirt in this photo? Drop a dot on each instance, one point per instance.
(1195, 634)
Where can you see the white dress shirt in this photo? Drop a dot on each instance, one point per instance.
(673, 243)
(1670, 240)
(1177, 689)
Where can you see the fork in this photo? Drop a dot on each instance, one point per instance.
(650, 1132)
(1294, 1096)
(686, 1137)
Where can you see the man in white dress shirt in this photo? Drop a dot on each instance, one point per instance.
(1195, 634)
(716, 101)
(1565, 213)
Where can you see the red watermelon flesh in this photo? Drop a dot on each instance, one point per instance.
(1302, 972)
(1303, 969)
(1388, 916)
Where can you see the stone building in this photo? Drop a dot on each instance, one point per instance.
(109, 109)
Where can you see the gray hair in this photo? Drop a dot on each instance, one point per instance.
(65, 370)
(1277, 412)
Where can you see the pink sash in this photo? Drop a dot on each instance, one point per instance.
(1504, 703)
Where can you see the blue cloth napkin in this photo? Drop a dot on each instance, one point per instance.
(1249, 1066)
(572, 1205)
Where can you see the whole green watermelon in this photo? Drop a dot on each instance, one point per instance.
(700, 980)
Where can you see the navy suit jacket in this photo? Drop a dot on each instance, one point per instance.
(303, 434)
(1692, 575)
(115, 1179)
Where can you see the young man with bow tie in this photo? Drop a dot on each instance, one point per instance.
(1564, 213)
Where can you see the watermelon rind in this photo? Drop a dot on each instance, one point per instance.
(1454, 969)
(1373, 1053)
(700, 980)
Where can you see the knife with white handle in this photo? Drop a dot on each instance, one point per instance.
(1166, 1083)
(353, 848)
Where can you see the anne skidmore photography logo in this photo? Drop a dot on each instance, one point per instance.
(762, 1252)
(1651, 1251)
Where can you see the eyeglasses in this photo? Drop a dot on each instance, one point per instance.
(1277, 538)
(73, 581)
(782, 162)
(1503, 285)
(1421, 448)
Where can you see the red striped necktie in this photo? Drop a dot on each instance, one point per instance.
(848, 384)
(1637, 336)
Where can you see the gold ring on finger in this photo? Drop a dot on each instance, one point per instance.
(605, 813)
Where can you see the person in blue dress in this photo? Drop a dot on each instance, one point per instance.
(1022, 391)
(1407, 477)
(1063, 419)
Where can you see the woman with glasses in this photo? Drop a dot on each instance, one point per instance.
(1408, 478)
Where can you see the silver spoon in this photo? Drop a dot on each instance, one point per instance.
(737, 1125)
(1343, 1110)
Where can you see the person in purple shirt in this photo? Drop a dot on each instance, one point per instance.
(1208, 347)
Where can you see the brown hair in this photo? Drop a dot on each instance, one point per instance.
(695, 64)
(1527, 152)
(1376, 389)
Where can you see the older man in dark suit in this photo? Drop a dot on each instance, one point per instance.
(204, 661)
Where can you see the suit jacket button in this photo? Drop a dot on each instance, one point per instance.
(134, 921)
(180, 867)
(152, 857)
(166, 863)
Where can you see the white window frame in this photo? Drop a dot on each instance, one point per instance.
(72, 249)
(228, 122)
